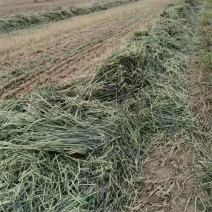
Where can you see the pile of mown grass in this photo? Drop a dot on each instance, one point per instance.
(81, 147)
(23, 21)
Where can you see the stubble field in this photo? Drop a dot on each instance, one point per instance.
(106, 108)
(11, 7)
(61, 51)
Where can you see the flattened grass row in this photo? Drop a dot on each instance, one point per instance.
(80, 147)
(23, 21)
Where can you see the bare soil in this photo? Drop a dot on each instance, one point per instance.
(200, 93)
(172, 178)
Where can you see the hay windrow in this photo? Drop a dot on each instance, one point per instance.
(24, 21)
(81, 147)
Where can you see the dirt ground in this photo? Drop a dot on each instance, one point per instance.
(11, 7)
(174, 170)
(58, 52)
(200, 93)
(172, 178)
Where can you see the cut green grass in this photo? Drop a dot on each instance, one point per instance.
(81, 147)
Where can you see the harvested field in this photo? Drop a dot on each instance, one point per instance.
(65, 50)
(11, 7)
(132, 135)
(24, 21)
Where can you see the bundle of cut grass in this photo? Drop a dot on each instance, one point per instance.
(55, 124)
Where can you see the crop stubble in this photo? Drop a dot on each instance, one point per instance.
(69, 49)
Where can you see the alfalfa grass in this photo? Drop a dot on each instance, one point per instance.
(81, 147)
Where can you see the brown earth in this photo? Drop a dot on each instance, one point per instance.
(174, 170)
(58, 52)
(200, 92)
(172, 178)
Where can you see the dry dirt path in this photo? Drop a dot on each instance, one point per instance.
(68, 49)
(200, 92)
